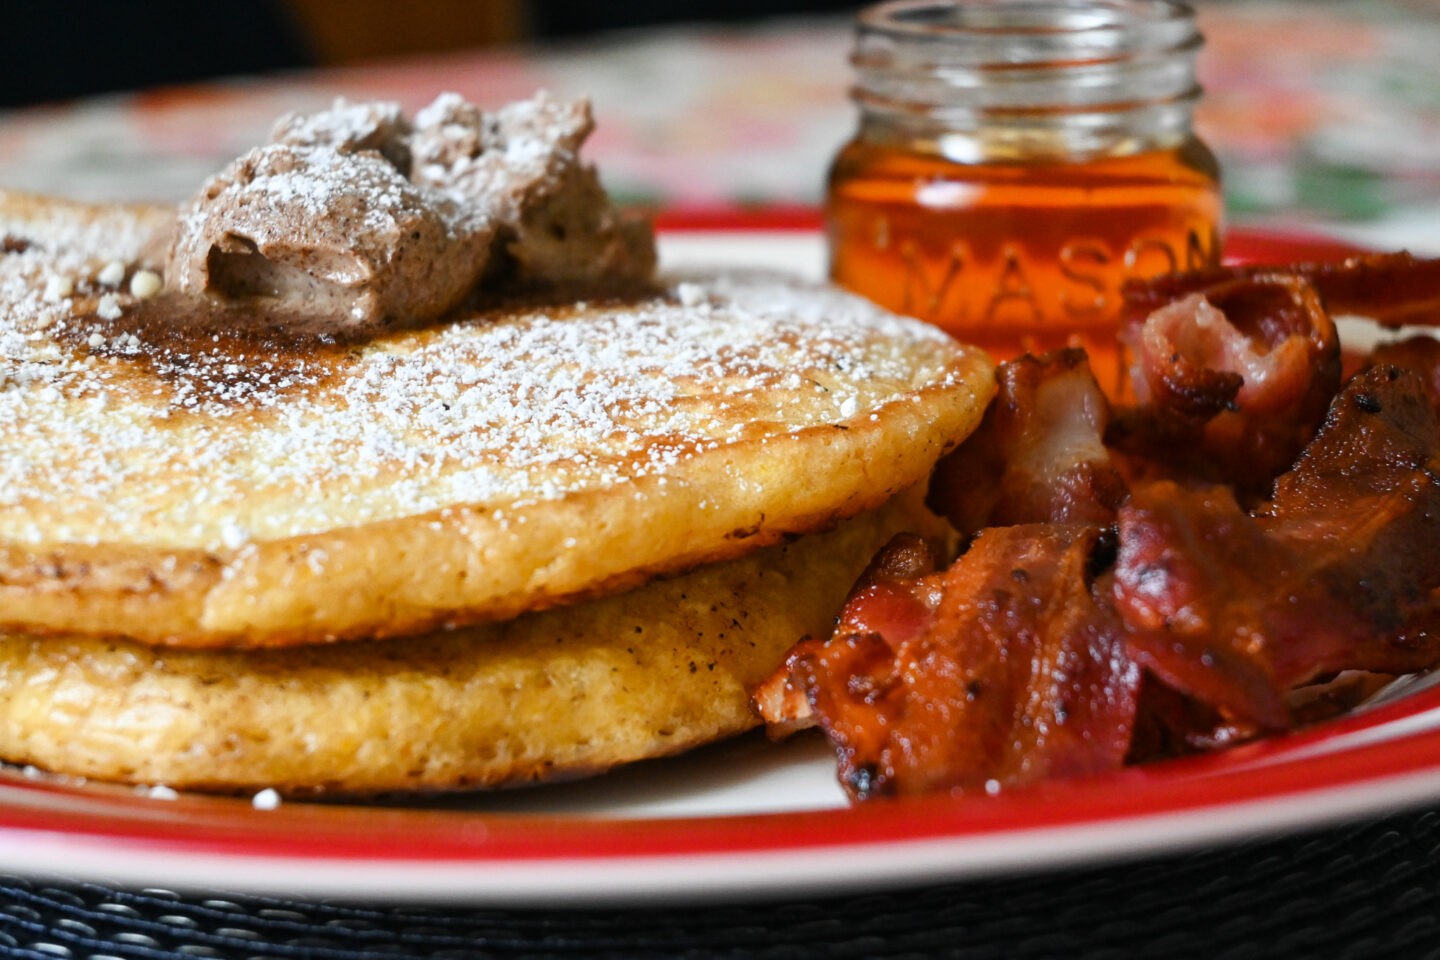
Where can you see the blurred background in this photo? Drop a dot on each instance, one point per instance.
(1325, 113)
(64, 49)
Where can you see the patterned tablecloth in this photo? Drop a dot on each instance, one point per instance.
(1326, 115)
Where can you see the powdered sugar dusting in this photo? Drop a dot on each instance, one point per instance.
(499, 162)
(115, 443)
(79, 238)
(346, 126)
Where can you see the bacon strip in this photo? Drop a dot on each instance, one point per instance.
(1232, 381)
(1338, 572)
(1002, 670)
(1393, 288)
(1039, 455)
(1420, 355)
(883, 599)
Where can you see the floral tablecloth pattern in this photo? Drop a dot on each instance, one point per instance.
(1326, 115)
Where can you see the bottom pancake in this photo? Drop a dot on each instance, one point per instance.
(553, 694)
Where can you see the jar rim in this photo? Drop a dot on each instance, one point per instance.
(1044, 30)
(1086, 74)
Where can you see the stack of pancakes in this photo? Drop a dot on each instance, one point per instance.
(536, 540)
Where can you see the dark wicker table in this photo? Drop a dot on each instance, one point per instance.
(1363, 890)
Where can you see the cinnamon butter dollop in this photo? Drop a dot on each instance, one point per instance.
(521, 168)
(354, 219)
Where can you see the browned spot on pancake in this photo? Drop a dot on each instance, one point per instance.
(208, 352)
(216, 351)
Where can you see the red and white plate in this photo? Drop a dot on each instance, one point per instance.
(742, 819)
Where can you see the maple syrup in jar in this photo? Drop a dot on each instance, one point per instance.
(1017, 161)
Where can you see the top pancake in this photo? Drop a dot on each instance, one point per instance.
(205, 489)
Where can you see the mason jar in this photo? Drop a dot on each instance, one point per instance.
(1016, 161)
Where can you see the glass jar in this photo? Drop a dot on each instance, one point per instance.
(1017, 161)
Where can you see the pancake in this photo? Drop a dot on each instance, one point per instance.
(172, 479)
(550, 694)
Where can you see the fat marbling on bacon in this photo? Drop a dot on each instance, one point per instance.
(1231, 380)
(1038, 456)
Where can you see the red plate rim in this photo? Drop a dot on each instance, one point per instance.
(1289, 766)
(1281, 767)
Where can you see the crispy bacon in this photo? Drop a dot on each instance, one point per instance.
(1232, 380)
(1083, 630)
(1039, 455)
(1392, 288)
(881, 601)
(1003, 669)
(780, 701)
(1168, 723)
(1206, 596)
(1418, 354)
(1338, 572)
